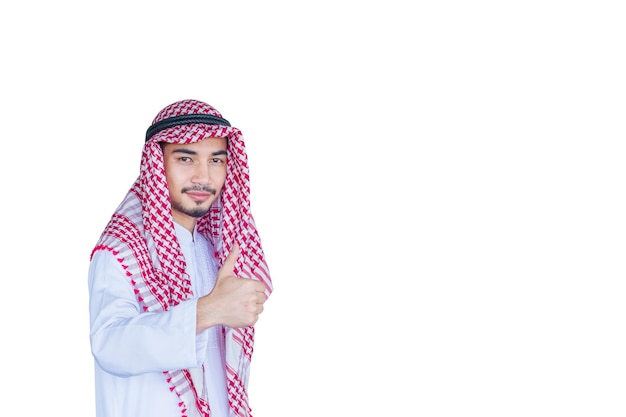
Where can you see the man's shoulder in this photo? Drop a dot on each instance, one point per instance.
(125, 228)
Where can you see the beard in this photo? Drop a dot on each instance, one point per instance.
(190, 211)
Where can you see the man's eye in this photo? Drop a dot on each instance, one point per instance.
(217, 161)
(184, 159)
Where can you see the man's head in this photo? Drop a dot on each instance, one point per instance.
(193, 140)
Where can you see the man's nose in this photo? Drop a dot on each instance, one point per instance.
(201, 174)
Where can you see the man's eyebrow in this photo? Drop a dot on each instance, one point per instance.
(192, 152)
(185, 151)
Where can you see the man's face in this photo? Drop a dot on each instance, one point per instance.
(195, 174)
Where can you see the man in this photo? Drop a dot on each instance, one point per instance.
(171, 310)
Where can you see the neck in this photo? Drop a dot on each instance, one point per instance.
(187, 222)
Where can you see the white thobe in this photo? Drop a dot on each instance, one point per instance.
(132, 349)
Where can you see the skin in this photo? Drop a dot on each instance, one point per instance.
(195, 175)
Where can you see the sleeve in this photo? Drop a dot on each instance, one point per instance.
(126, 341)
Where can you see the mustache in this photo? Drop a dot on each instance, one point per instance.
(204, 189)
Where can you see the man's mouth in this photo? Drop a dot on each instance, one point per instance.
(198, 193)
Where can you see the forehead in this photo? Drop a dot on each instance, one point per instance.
(209, 144)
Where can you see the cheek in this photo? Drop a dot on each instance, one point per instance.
(220, 173)
(171, 186)
(219, 179)
(173, 182)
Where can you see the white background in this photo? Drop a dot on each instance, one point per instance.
(439, 188)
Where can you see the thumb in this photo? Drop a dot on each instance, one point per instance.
(229, 264)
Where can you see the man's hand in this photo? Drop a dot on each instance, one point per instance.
(234, 302)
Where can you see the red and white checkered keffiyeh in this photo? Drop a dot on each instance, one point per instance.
(141, 235)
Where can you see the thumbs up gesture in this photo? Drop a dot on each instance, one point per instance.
(233, 302)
